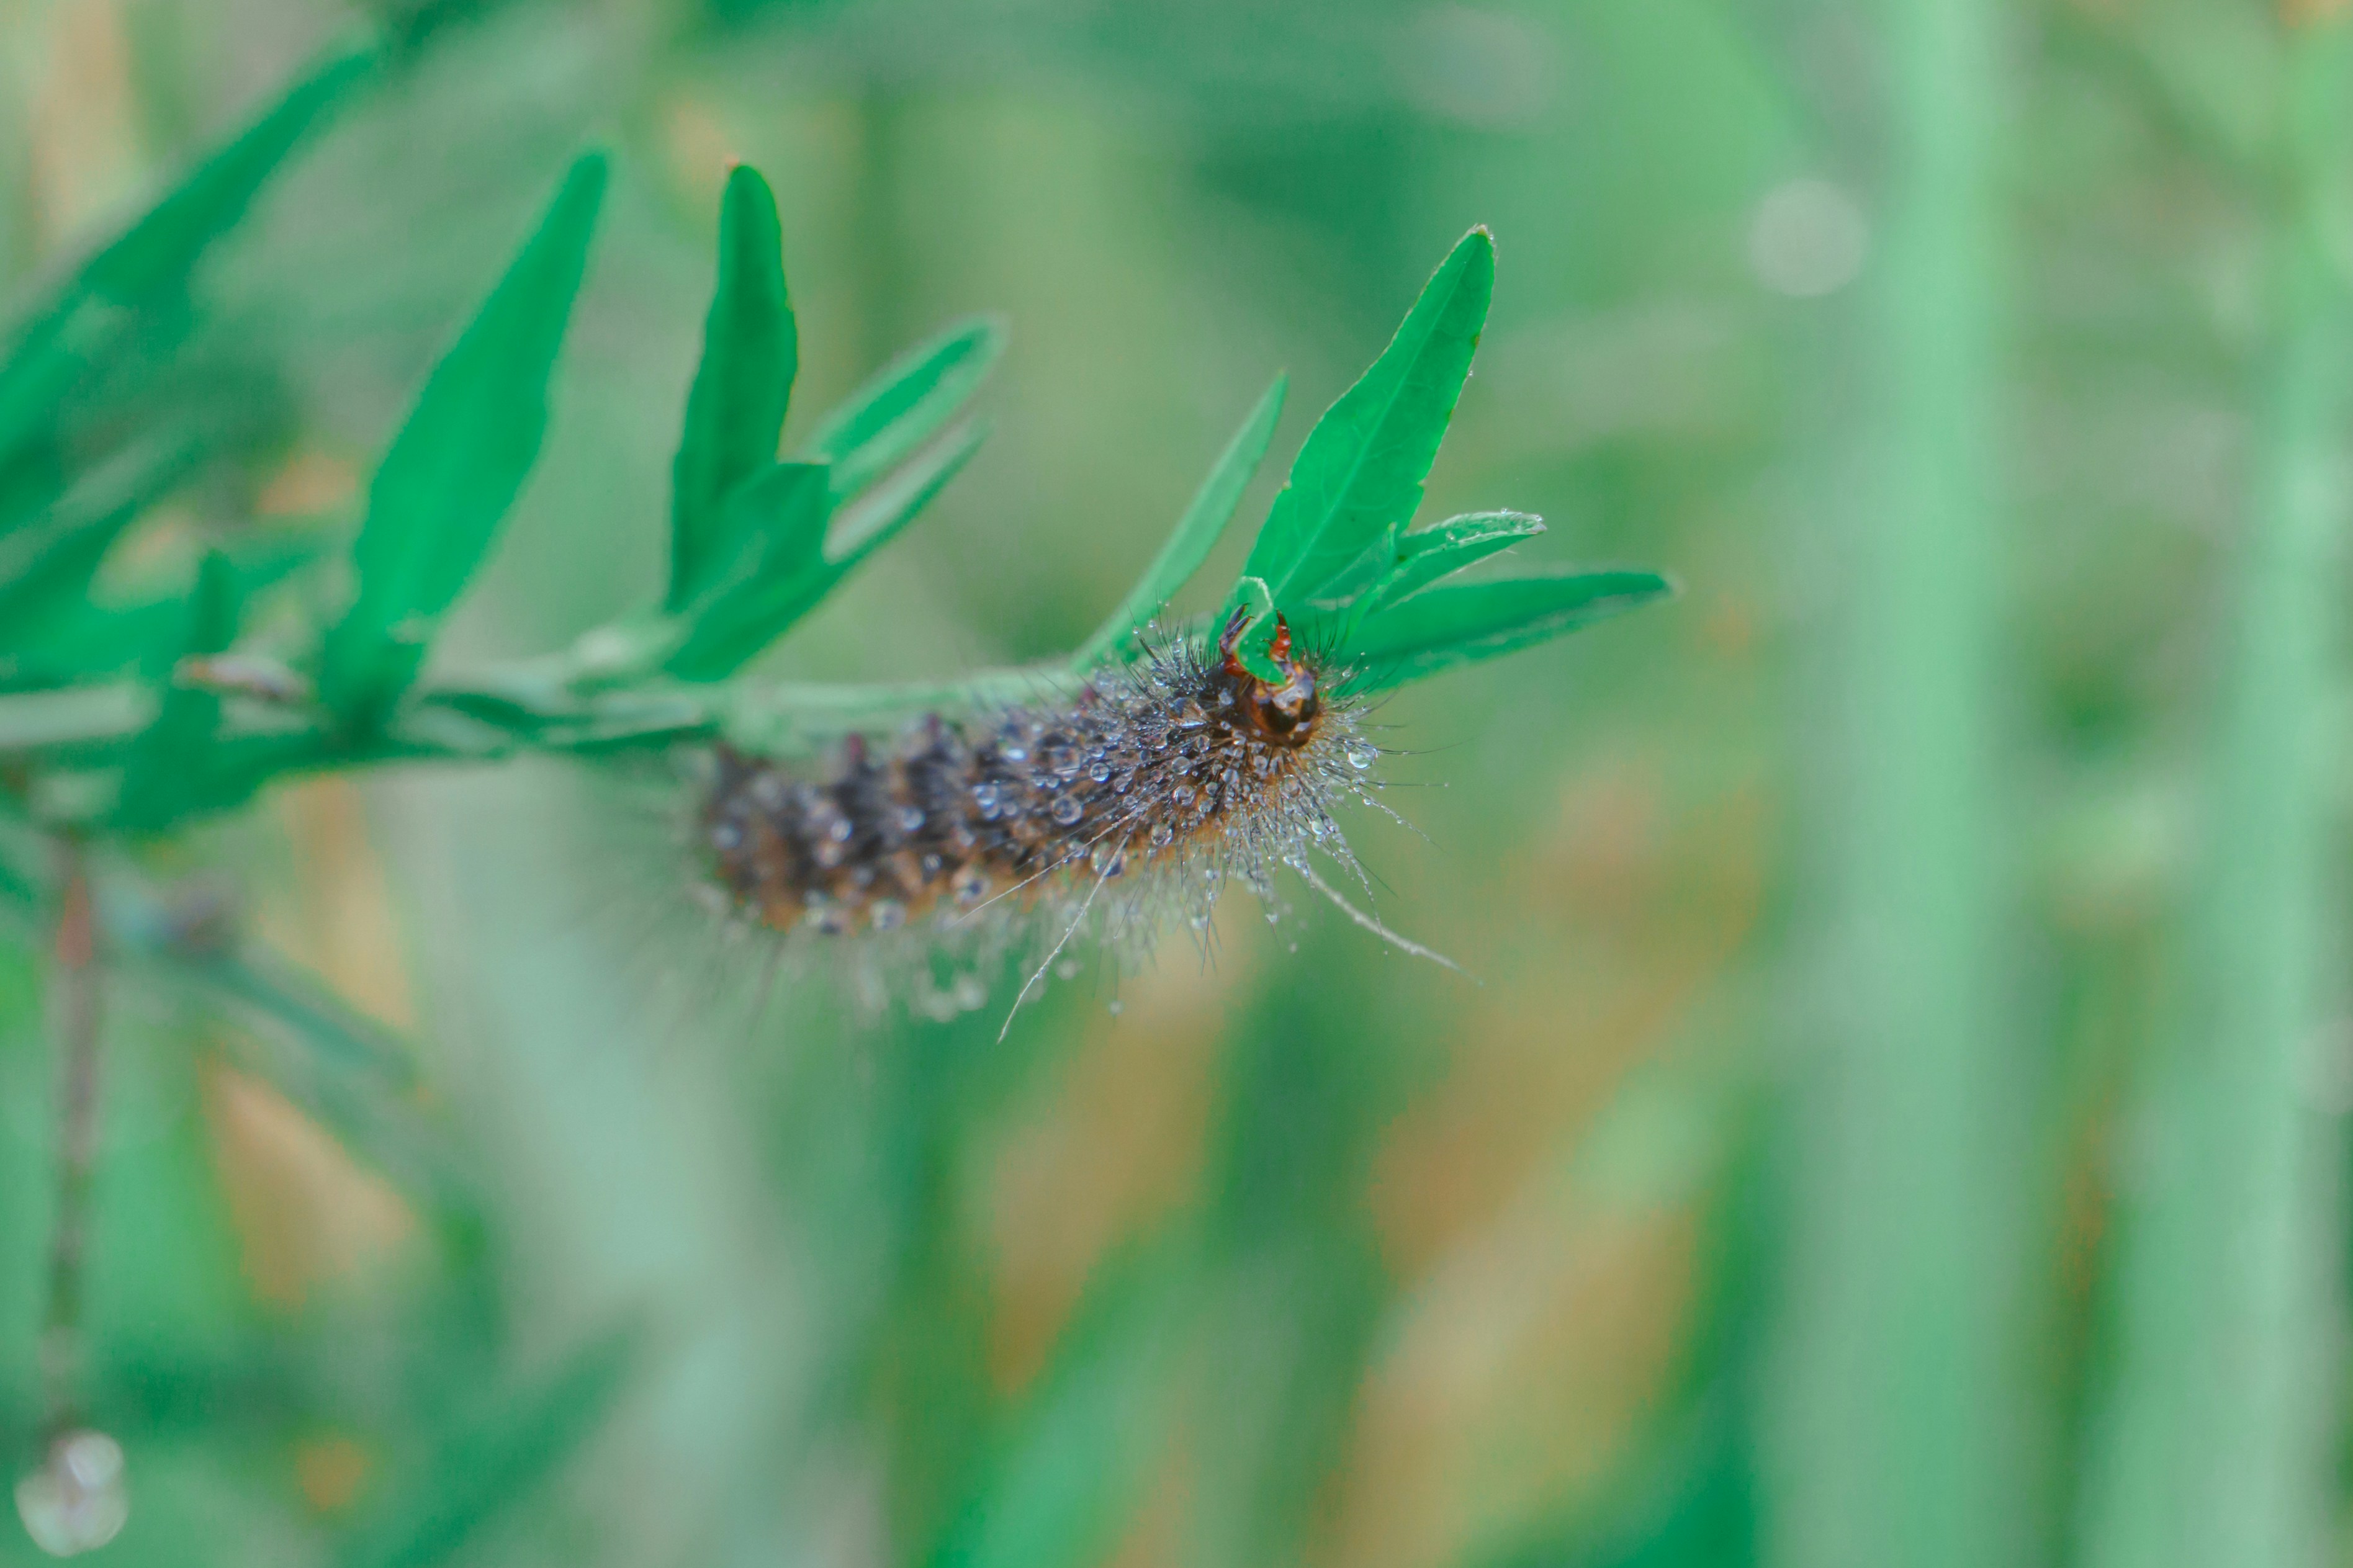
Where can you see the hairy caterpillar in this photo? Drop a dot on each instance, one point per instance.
(1156, 782)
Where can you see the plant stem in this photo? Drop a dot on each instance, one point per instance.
(2215, 1445)
(74, 958)
(1900, 1399)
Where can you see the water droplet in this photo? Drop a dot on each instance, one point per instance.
(1161, 833)
(839, 829)
(1014, 751)
(726, 835)
(830, 854)
(968, 993)
(77, 1500)
(968, 887)
(1067, 810)
(769, 790)
(826, 918)
(1108, 860)
(1099, 771)
(1361, 753)
(910, 818)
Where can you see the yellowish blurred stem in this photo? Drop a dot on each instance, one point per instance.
(75, 992)
(2215, 1445)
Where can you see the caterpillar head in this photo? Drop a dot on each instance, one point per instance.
(1283, 712)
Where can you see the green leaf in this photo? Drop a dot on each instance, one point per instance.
(168, 758)
(735, 409)
(1197, 532)
(755, 612)
(458, 463)
(487, 1467)
(91, 310)
(904, 404)
(1428, 554)
(1463, 623)
(45, 571)
(81, 638)
(1253, 646)
(778, 520)
(1362, 468)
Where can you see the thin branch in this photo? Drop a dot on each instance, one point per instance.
(75, 991)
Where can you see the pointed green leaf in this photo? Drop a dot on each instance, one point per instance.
(89, 310)
(476, 1473)
(904, 404)
(458, 462)
(1461, 623)
(736, 410)
(167, 760)
(1256, 607)
(81, 638)
(1428, 554)
(776, 521)
(753, 612)
(45, 571)
(1197, 532)
(1362, 468)
(867, 526)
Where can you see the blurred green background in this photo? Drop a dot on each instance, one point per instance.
(1895, 1120)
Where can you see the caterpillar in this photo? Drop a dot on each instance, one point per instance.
(1156, 782)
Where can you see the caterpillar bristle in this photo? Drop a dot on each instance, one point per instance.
(1154, 782)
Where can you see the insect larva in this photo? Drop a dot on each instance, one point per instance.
(1162, 778)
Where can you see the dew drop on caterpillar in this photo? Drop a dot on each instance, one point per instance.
(1155, 784)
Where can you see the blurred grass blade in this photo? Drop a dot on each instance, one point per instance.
(2221, 1441)
(1362, 468)
(1905, 1394)
(1197, 532)
(457, 465)
(735, 409)
(492, 1464)
(1461, 623)
(1081, 1451)
(905, 404)
(60, 337)
(168, 758)
(265, 989)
